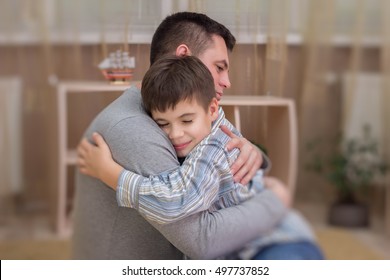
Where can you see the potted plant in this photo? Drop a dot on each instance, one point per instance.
(352, 169)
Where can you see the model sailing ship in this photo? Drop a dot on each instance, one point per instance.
(118, 67)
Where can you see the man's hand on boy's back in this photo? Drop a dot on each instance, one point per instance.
(249, 160)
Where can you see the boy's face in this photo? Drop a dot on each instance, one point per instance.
(217, 61)
(187, 124)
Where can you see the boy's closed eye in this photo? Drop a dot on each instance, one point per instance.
(160, 124)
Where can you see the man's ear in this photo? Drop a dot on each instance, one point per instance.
(213, 109)
(182, 50)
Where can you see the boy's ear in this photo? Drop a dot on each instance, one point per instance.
(213, 109)
(182, 50)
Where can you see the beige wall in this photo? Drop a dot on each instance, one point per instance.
(69, 62)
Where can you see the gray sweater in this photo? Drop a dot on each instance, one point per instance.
(103, 230)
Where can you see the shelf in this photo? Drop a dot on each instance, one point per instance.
(281, 139)
(66, 156)
(94, 86)
(71, 157)
(253, 100)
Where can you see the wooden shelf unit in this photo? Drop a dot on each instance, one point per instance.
(281, 140)
(67, 157)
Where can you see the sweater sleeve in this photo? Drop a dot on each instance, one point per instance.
(217, 234)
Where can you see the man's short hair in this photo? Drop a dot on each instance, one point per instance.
(192, 29)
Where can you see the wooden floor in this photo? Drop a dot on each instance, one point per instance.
(30, 236)
(372, 237)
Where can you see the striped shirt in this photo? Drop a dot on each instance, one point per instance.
(202, 182)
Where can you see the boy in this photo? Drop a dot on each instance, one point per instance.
(178, 93)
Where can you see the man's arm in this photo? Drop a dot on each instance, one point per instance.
(209, 235)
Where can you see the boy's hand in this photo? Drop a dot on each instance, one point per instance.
(279, 188)
(92, 158)
(249, 160)
(97, 161)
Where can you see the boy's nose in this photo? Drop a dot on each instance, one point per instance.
(175, 133)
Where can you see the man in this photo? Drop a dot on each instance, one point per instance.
(102, 230)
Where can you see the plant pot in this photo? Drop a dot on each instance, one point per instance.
(349, 215)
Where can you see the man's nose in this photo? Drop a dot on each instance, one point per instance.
(225, 81)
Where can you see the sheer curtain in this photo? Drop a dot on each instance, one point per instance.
(299, 49)
(347, 52)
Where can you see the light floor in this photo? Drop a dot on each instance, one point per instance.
(373, 237)
(35, 226)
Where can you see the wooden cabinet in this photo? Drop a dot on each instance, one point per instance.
(280, 138)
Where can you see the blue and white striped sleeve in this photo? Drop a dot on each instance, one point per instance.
(191, 188)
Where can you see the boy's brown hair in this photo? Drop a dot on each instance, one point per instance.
(172, 79)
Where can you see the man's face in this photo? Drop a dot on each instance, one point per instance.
(217, 61)
(187, 124)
